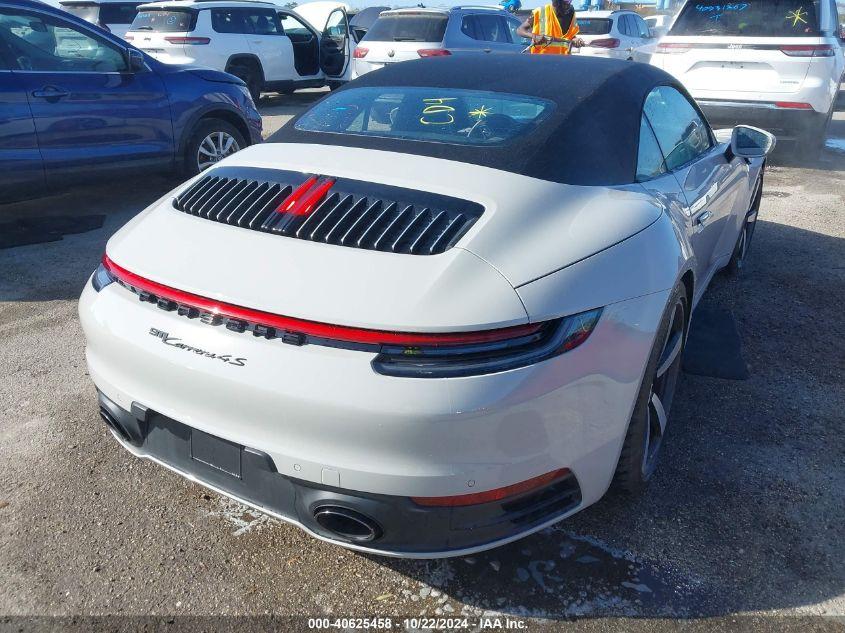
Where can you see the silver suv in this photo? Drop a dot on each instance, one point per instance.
(404, 34)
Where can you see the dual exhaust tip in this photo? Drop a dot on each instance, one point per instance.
(348, 524)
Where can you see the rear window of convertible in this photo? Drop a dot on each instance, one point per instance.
(464, 117)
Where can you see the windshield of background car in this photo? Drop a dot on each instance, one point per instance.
(164, 21)
(440, 115)
(594, 26)
(751, 18)
(408, 27)
(89, 12)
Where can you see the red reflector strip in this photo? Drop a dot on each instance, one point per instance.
(433, 52)
(315, 328)
(173, 39)
(807, 50)
(306, 205)
(673, 47)
(493, 495)
(289, 202)
(607, 42)
(794, 105)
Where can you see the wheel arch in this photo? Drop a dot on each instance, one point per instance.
(215, 111)
(249, 58)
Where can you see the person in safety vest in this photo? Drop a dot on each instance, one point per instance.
(555, 21)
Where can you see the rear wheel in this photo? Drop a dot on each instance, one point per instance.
(810, 147)
(211, 141)
(647, 429)
(250, 74)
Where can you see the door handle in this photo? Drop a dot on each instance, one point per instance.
(702, 219)
(50, 93)
(486, 50)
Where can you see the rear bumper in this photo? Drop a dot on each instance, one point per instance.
(328, 423)
(784, 123)
(397, 526)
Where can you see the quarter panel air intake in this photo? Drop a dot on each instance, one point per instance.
(338, 211)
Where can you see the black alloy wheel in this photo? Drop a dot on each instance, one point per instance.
(647, 428)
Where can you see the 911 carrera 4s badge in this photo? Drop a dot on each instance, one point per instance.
(177, 342)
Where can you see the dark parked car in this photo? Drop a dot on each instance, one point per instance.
(77, 103)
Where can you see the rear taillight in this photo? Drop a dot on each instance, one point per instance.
(433, 52)
(605, 42)
(360, 53)
(498, 494)
(173, 39)
(102, 277)
(809, 50)
(673, 48)
(509, 348)
(793, 105)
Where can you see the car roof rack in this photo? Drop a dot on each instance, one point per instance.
(491, 7)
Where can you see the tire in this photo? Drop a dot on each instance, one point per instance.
(251, 76)
(647, 428)
(210, 136)
(810, 149)
(743, 240)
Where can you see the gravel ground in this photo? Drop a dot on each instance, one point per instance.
(742, 527)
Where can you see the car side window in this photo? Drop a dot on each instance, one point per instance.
(336, 25)
(4, 54)
(650, 162)
(294, 28)
(262, 22)
(623, 24)
(487, 28)
(683, 135)
(642, 27)
(516, 38)
(229, 21)
(469, 28)
(45, 43)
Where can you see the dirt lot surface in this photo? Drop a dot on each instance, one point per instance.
(743, 525)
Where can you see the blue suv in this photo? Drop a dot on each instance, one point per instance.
(77, 103)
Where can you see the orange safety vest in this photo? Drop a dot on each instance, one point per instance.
(546, 23)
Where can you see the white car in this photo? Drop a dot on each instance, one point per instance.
(270, 48)
(777, 65)
(113, 15)
(404, 34)
(616, 34)
(414, 323)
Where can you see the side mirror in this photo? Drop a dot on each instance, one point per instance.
(135, 60)
(751, 142)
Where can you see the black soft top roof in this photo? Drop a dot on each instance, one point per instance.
(590, 138)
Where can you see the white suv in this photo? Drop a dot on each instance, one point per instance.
(615, 34)
(270, 48)
(776, 64)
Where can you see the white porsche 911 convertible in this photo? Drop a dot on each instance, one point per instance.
(444, 308)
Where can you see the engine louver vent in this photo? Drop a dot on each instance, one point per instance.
(350, 213)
